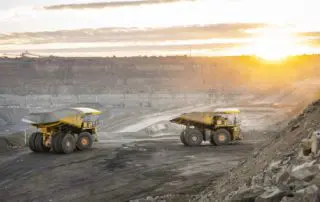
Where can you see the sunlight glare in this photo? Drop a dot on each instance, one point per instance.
(275, 45)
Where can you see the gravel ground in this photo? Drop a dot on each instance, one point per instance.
(128, 164)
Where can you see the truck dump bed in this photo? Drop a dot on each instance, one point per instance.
(70, 116)
(205, 118)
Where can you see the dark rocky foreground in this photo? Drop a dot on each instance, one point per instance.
(276, 171)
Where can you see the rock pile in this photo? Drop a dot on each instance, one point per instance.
(282, 181)
(294, 176)
(286, 167)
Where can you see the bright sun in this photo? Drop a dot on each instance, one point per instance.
(274, 45)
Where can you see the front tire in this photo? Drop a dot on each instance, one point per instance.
(193, 137)
(182, 138)
(212, 140)
(221, 137)
(85, 141)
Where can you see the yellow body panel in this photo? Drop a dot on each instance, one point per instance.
(199, 117)
(227, 111)
(73, 120)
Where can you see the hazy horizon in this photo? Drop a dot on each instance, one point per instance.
(160, 27)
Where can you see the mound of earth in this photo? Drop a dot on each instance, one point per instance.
(11, 141)
(276, 171)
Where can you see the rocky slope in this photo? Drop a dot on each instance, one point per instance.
(276, 171)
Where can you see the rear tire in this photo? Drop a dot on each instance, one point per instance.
(221, 137)
(193, 137)
(40, 147)
(32, 141)
(85, 141)
(182, 138)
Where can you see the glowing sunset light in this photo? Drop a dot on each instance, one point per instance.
(276, 44)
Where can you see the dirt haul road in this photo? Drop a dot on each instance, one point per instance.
(128, 163)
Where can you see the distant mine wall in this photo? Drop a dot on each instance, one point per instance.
(95, 75)
(102, 75)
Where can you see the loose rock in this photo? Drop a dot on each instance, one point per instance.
(273, 194)
(249, 194)
(305, 171)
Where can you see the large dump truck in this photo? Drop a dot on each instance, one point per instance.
(63, 130)
(220, 127)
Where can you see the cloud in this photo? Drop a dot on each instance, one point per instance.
(133, 50)
(309, 34)
(314, 42)
(310, 38)
(99, 5)
(216, 31)
(183, 45)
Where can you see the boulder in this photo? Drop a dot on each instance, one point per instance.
(267, 181)
(10, 141)
(257, 180)
(4, 145)
(316, 180)
(282, 176)
(273, 194)
(245, 195)
(298, 184)
(310, 145)
(275, 166)
(309, 194)
(291, 199)
(306, 147)
(305, 171)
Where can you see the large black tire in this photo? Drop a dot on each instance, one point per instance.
(182, 138)
(32, 141)
(193, 137)
(221, 137)
(85, 141)
(67, 143)
(40, 147)
(212, 140)
(55, 143)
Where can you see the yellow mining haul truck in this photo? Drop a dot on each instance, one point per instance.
(220, 127)
(63, 130)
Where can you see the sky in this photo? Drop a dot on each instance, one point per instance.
(269, 28)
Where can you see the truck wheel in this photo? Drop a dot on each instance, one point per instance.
(67, 143)
(85, 141)
(56, 147)
(221, 137)
(193, 137)
(40, 147)
(212, 140)
(32, 141)
(182, 138)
